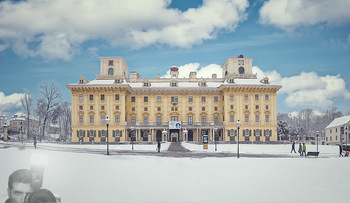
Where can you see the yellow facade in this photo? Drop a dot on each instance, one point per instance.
(174, 109)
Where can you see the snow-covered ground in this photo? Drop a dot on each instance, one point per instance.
(78, 177)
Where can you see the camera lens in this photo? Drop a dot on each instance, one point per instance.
(41, 196)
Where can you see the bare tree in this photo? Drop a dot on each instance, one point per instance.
(27, 104)
(50, 100)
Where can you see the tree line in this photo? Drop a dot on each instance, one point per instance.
(48, 109)
(305, 123)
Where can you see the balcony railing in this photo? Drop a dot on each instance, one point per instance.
(183, 124)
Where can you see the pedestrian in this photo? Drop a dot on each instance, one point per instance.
(300, 150)
(158, 146)
(34, 141)
(304, 149)
(19, 185)
(293, 148)
(340, 150)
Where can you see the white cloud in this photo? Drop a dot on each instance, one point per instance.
(308, 89)
(54, 29)
(10, 102)
(203, 72)
(289, 14)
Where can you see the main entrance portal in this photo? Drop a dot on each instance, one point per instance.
(174, 135)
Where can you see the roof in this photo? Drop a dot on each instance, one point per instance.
(181, 84)
(339, 122)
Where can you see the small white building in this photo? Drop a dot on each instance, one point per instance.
(338, 130)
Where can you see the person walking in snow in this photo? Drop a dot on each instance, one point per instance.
(158, 146)
(34, 141)
(340, 150)
(293, 148)
(304, 149)
(300, 150)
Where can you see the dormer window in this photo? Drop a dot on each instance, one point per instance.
(118, 80)
(82, 80)
(146, 83)
(202, 83)
(110, 63)
(231, 80)
(173, 83)
(241, 70)
(265, 80)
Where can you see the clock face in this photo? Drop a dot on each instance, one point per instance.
(240, 62)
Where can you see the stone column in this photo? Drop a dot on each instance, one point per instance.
(5, 132)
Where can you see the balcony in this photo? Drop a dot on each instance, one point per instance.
(183, 124)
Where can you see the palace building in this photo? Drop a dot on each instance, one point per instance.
(174, 108)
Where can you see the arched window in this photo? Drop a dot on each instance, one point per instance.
(241, 70)
(110, 71)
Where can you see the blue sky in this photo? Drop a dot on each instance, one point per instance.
(302, 44)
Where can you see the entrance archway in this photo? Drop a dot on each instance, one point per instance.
(159, 135)
(174, 135)
(190, 135)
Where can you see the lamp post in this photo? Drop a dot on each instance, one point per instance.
(132, 138)
(317, 139)
(21, 132)
(107, 123)
(215, 136)
(238, 125)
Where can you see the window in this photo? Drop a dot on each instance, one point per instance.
(257, 133)
(267, 118)
(246, 118)
(190, 109)
(145, 99)
(246, 106)
(256, 97)
(330, 131)
(241, 70)
(80, 97)
(110, 62)
(159, 120)
(133, 109)
(110, 71)
(117, 119)
(158, 109)
(91, 107)
(116, 96)
(173, 84)
(146, 84)
(91, 119)
(80, 119)
(232, 118)
(159, 99)
(116, 107)
(266, 97)
(91, 97)
(267, 106)
(246, 97)
(174, 99)
(231, 97)
(215, 108)
(145, 109)
(80, 107)
(241, 62)
(190, 99)
(204, 119)
(231, 106)
(102, 97)
(203, 84)
(203, 98)
(133, 119)
(203, 108)
(256, 106)
(174, 118)
(145, 119)
(190, 120)
(133, 99)
(256, 118)
(103, 119)
(216, 119)
(102, 107)
(216, 99)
